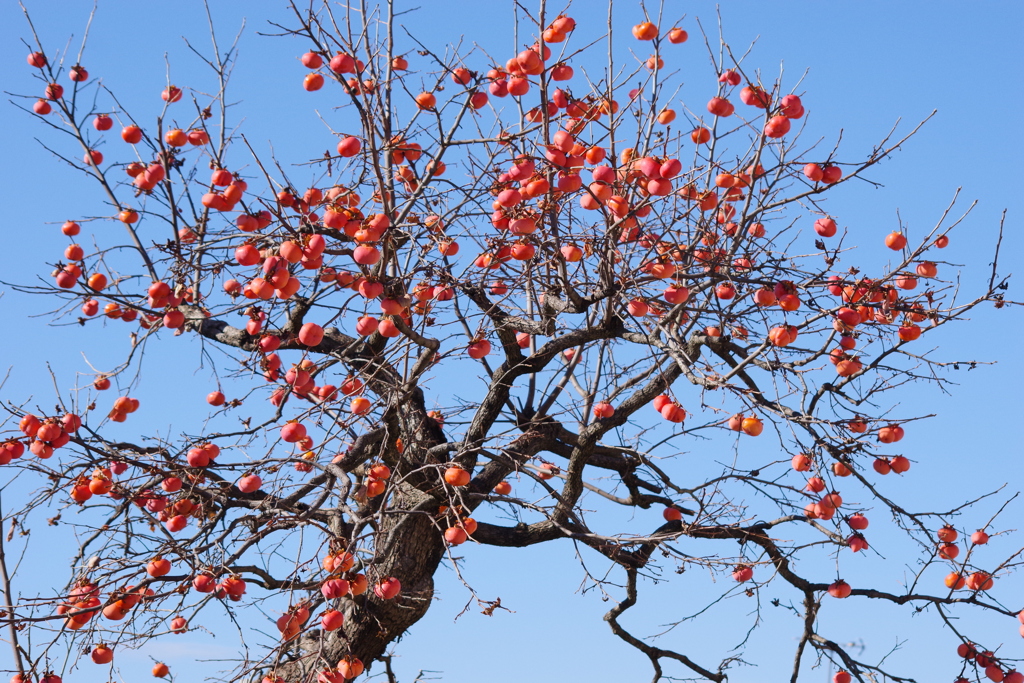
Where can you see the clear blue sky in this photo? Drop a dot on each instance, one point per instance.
(869, 64)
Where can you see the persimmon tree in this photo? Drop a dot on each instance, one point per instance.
(616, 279)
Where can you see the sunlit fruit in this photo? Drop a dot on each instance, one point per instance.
(839, 589)
(388, 588)
(456, 476)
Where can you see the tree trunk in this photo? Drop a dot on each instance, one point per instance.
(408, 547)
(415, 549)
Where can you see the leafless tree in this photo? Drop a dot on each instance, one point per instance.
(575, 255)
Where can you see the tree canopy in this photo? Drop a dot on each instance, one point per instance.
(519, 299)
